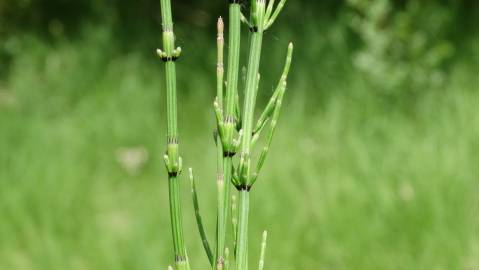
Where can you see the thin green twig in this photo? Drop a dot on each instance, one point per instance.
(263, 250)
(199, 220)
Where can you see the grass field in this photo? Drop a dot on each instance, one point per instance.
(354, 181)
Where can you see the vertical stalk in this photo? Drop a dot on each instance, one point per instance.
(176, 223)
(218, 263)
(220, 41)
(242, 241)
(229, 129)
(223, 205)
(172, 158)
(252, 78)
(233, 56)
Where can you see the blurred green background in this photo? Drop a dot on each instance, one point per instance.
(374, 165)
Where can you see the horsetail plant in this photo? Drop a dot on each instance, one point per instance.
(236, 132)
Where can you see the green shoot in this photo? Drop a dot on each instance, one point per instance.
(263, 250)
(199, 220)
(235, 131)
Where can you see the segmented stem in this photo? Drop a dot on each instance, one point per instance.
(234, 40)
(177, 226)
(251, 91)
(223, 205)
(172, 158)
(252, 78)
(220, 41)
(231, 121)
(228, 129)
(218, 264)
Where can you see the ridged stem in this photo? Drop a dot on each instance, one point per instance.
(234, 40)
(172, 158)
(176, 222)
(228, 131)
(242, 238)
(252, 80)
(218, 262)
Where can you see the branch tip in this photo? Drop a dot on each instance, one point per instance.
(220, 25)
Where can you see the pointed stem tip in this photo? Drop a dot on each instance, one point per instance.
(220, 25)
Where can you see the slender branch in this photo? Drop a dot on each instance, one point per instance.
(269, 137)
(258, 130)
(270, 106)
(263, 250)
(199, 220)
(275, 14)
(266, 114)
(277, 108)
(269, 10)
(245, 20)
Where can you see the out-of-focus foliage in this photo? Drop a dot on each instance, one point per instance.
(403, 43)
(403, 47)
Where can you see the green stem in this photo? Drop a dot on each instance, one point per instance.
(176, 223)
(199, 220)
(233, 57)
(242, 238)
(223, 210)
(228, 130)
(218, 262)
(252, 78)
(172, 157)
(263, 250)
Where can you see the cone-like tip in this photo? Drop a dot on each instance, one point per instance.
(170, 267)
(220, 25)
(265, 235)
(290, 46)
